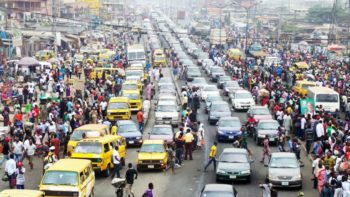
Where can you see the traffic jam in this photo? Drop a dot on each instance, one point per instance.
(161, 104)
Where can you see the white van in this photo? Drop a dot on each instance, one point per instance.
(328, 98)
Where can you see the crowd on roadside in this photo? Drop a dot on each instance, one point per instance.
(325, 135)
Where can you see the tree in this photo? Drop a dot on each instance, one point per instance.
(319, 14)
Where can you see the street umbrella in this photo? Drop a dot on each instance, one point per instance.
(53, 60)
(28, 61)
(335, 47)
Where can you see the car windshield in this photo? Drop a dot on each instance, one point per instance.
(217, 193)
(224, 78)
(231, 84)
(233, 158)
(214, 98)
(166, 108)
(268, 125)
(133, 73)
(161, 131)
(327, 98)
(305, 86)
(220, 107)
(199, 80)
(244, 95)
(229, 123)
(127, 128)
(130, 87)
(210, 88)
(118, 106)
(132, 96)
(261, 111)
(152, 148)
(216, 69)
(88, 147)
(283, 162)
(78, 134)
(60, 178)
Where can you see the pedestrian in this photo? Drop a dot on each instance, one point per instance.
(50, 158)
(171, 159)
(130, 176)
(56, 143)
(10, 171)
(29, 152)
(149, 91)
(17, 149)
(212, 156)
(140, 120)
(266, 188)
(5, 150)
(266, 149)
(189, 138)
(179, 147)
(20, 178)
(201, 134)
(149, 191)
(116, 163)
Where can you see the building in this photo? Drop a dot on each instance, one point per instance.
(20, 6)
(112, 9)
(94, 6)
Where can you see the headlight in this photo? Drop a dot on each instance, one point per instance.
(98, 160)
(140, 161)
(138, 137)
(218, 171)
(245, 172)
(220, 132)
(272, 176)
(297, 177)
(261, 135)
(75, 194)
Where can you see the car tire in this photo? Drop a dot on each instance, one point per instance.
(234, 108)
(138, 168)
(107, 171)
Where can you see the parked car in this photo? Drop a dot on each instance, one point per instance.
(215, 72)
(217, 110)
(241, 100)
(234, 164)
(192, 72)
(207, 90)
(267, 128)
(152, 155)
(167, 113)
(162, 132)
(230, 86)
(222, 80)
(284, 170)
(215, 190)
(211, 98)
(130, 131)
(228, 129)
(259, 113)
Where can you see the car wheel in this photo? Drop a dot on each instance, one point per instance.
(107, 171)
(234, 108)
(138, 168)
(249, 179)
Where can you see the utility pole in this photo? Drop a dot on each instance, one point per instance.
(54, 18)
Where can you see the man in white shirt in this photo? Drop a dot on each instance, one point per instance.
(116, 162)
(17, 149)
(103, 105)
(10, 170)
(319, 130)
(29, 152)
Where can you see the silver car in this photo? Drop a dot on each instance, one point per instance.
(284, 170)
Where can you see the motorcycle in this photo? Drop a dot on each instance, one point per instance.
(250, 129)
(119, 184)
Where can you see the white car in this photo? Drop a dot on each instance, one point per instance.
(167, 112)
(207, 90)
(242, 100)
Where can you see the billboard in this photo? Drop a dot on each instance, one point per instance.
(307, 106)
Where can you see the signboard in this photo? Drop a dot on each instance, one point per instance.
(307, 106)
(58, 38)
(17, 38)
(181, 15)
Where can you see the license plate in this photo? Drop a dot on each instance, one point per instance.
(230, 137)
(272, 139)
(167, 122)
(285, 183)
(150, 166)
(233, 176)
(131, 142)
